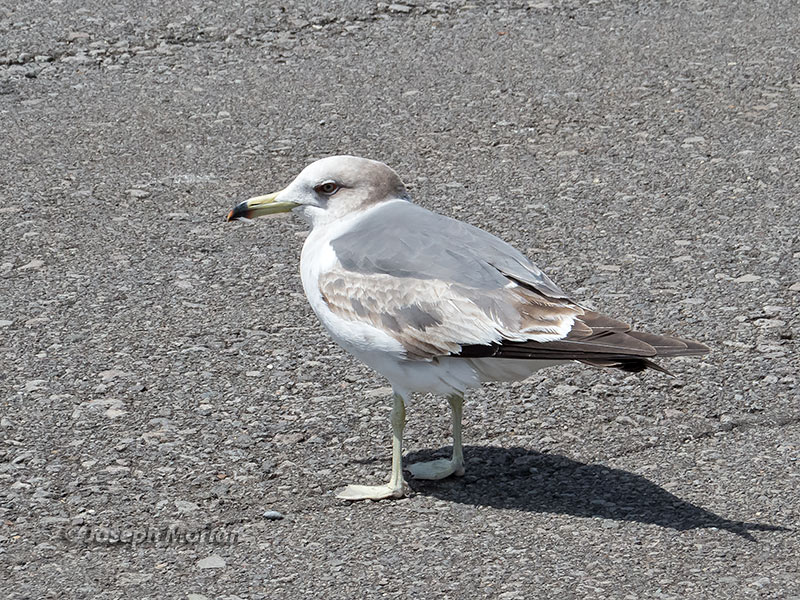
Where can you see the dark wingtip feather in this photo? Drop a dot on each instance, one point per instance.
(696, 347)
(632, 365)
(670, 346)
(649, 364)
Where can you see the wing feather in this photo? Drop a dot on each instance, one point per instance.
(430, 317)
(441, 287)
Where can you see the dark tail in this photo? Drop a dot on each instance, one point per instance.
(599, 341)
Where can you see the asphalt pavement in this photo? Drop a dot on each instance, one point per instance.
(175, 423)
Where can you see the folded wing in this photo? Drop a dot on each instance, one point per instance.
(478, 297)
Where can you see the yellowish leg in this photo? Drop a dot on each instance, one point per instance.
(393, 489)
(439, 469)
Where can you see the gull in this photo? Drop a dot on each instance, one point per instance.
(434, 304)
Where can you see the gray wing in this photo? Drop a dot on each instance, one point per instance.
(404, 240)
(443, 287)
(436, 284)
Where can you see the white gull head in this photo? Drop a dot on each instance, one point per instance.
(338, 186)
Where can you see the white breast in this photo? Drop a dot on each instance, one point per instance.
(317, 258)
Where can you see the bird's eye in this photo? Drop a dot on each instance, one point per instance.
(328, 188)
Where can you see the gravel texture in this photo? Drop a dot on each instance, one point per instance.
(163, 381)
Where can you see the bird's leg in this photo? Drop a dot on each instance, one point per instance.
(439, 469)
(457, 408)
(393, 489)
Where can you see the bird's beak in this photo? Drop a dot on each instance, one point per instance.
(260, 205)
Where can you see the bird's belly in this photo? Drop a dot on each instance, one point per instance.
(440, 376)
(447, 375)
(384, 354)
(509, 369)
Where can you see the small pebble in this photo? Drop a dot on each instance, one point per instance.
(34, 264)
(184, 506)
(749, 278)
(212, 562)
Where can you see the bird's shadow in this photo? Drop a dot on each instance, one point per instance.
(525, 480)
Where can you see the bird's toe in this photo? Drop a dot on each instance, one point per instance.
(370, 492)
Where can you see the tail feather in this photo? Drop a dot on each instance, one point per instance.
(595, 340)
(670, 346)
(630, 365)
